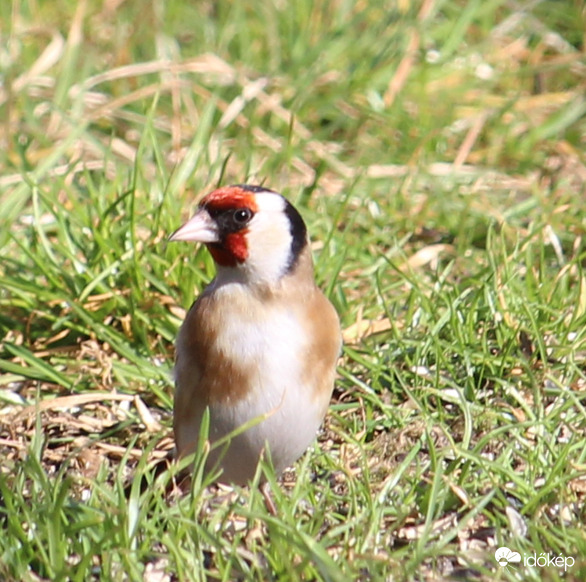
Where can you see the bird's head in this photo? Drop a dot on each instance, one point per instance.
(249, 230)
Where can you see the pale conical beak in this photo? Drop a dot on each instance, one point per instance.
(200, 228)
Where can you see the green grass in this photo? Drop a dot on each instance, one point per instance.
(437, 153)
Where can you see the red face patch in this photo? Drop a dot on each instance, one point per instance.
(232, 251)
(233, 248)
(229, 197)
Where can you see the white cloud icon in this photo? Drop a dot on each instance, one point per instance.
(504, 556)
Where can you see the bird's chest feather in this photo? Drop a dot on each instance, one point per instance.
(241, 350)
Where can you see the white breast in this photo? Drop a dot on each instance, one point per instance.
(273, 344)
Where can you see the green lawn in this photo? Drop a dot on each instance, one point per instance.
(437, 151)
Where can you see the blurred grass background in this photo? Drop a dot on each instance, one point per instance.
(437, 153)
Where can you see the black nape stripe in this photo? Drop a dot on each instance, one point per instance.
(298, 234)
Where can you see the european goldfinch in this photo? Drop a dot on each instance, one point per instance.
(261, 342)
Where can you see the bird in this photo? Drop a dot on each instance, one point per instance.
(259, 346)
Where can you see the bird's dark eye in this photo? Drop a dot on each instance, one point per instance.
(241, 216)
(231, 220)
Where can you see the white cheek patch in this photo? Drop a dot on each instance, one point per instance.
(269, 240)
